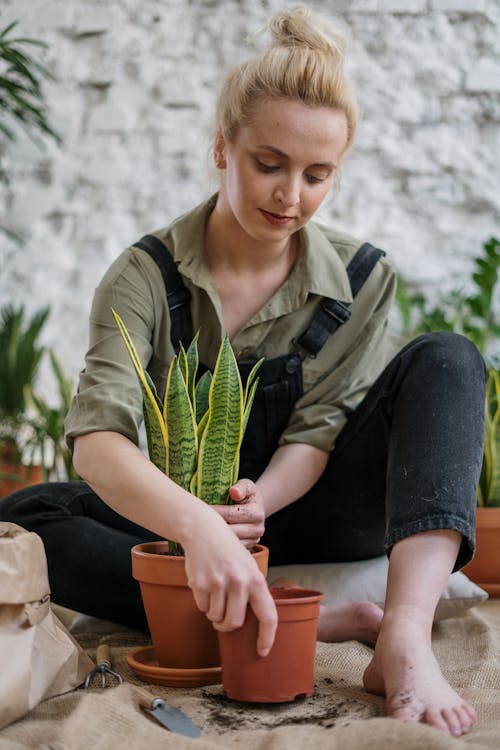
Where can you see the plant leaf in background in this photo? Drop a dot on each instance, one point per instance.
(20, 358)
(489, 486)
(21, 97)
(48, 424)
(22, 104)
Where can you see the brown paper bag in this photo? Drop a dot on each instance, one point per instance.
(38, 657)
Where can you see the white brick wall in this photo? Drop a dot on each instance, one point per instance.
(134, 98)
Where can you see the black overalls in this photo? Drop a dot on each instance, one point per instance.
(280, 379)
(408, 460)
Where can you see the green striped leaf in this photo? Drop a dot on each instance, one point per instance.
(202, 391)
(192, 361)
(251, 378)
(248, 406)
(153, 419)
(221, 439)
(181, 427)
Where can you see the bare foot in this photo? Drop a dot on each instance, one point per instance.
(405, 670)
(358, 621)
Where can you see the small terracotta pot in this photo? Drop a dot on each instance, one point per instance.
(18, 476)
(484, 569)
(288, 671)
(182, 636)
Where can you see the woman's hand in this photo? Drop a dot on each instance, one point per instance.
(246, 517)
(225, 579)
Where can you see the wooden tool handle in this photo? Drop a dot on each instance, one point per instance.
(103, 654)
(144, 697)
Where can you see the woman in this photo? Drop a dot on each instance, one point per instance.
(343, 458)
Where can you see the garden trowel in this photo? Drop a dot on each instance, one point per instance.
(171, 718)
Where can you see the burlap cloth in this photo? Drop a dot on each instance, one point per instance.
(338, 716)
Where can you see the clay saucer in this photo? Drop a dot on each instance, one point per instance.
(144, 663)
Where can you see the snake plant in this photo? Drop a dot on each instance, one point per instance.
(195, 435)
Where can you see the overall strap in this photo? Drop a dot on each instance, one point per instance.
(333, 313)
(178, 297)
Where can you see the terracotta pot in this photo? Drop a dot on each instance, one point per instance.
(288, 671)
(182, 636)
(484, 569)
(19, 476)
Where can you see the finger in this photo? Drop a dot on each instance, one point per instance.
(247, 530)
(264, 609)
(236, 608)
(217, 609)
(202, 600)
(241, 514)
(250, 543)
(241, 491)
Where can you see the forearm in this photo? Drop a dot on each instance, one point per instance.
(129, 483)
(292, 471)
(223, 576)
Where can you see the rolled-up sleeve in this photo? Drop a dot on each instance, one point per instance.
(337, 380)
(109, 395)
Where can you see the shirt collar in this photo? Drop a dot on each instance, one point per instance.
(318, 270)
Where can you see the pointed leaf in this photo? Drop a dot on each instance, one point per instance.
(222, 437)
(181, 427)
(153, 420)
(192, 361)
(201, 395)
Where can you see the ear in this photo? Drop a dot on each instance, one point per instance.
(219, 150)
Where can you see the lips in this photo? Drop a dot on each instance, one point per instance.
(276, 219)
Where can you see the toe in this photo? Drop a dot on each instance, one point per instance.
(466, 718)
(434, 717)
(453, 721)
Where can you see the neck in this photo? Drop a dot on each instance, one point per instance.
(226, 245)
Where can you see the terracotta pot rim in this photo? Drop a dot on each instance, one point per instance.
(296, 595)
(140, 551)
(488, 516)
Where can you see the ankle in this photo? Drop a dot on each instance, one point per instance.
(405, 618)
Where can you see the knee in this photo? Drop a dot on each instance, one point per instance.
(15, 507)
(453, 352)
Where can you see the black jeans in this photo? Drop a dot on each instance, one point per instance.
(407, 461)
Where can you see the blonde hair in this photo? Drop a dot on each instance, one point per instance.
(304, 62)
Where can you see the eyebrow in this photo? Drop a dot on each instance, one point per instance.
(279, 152)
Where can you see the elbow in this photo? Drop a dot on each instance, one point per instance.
(80, 452)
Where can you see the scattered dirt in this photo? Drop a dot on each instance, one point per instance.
(324, 708)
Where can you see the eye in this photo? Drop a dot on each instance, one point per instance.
(267, 168)
(313, 180)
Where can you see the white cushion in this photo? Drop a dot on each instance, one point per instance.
(365, 580)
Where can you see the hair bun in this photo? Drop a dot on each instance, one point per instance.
(298, 27)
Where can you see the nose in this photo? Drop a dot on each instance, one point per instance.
(288, 192)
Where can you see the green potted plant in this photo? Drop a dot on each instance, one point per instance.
(20, 355)
(484, 569)
(48, 425)
(194, 436)
(473, 315)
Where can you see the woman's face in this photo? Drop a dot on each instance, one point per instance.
(279, 168)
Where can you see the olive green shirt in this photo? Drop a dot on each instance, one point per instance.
(109, 397)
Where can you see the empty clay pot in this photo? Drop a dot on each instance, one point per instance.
(288, 671)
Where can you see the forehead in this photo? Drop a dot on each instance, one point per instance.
(297, 129)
